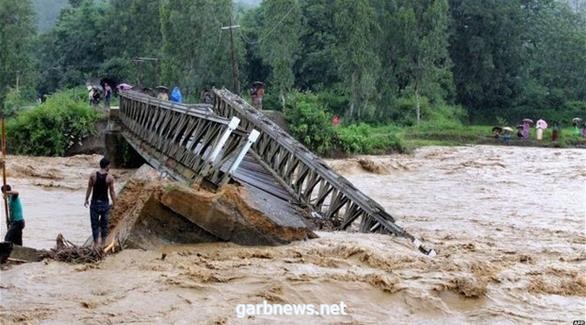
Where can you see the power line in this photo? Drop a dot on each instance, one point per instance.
(235, 77)
(270, 31)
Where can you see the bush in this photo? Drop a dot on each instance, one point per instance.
(334, 100)
(54, 126)
(309, 122)
(404, 113)
(13, 103)
(442, 117)
(361, 139)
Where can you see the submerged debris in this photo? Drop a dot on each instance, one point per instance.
(66, 251)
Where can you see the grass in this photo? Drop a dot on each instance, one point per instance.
(427, 135)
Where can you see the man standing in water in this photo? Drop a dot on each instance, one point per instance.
(14, 233)
(99, 184)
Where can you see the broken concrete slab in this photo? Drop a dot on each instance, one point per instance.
(152, 212)
(231, 215)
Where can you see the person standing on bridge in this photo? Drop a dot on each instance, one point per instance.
(107, 95)
(16, 219)
(257, 93)
(100, 183)
(206, 96)
(176, 95)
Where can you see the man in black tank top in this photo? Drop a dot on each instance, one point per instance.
(100, 183)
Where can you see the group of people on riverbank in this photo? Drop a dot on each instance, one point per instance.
(100, 187)
(98, 93)
(523, 130)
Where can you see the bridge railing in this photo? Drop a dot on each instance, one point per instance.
(310, 180)
(188, 142)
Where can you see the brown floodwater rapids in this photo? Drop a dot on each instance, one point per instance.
(52, 194)
(508, 225)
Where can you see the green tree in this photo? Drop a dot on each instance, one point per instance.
(74, 50)
(555, 54)
(316, 68)
(487, 52)
(17, 33)
(195, 51)
(356, 53)
(133, 31)
(421, 58)
(253, 67)
(279, 42)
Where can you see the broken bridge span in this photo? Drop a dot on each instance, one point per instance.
(231, 141)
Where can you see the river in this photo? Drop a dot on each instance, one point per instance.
(508, 224)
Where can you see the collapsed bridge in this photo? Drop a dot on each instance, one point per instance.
(231, 141)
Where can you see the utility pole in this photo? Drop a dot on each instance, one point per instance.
(235, 78)
(140, 61)
(3, 158)
(17, 80)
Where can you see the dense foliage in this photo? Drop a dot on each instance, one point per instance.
(53, 127)
(17, 31)
(402, 62)
(310, 121)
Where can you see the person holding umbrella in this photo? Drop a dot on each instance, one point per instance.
(520, 130)
(555, 132)
(576, 121)
(540, 125)
(124, 87)
(497, 131)
(526, 126)
(257, 93)
(506, 134)
(162, 92)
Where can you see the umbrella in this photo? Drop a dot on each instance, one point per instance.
(506, 128)
(527, 120)
(162, 88)
(541, 124)
(124, 87)
(258, 84)
(576, 120)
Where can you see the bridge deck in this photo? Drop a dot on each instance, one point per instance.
(254, 175)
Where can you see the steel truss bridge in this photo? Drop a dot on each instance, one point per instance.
(231, 141)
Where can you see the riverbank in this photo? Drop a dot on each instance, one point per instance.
(508, 224)
(429, 135)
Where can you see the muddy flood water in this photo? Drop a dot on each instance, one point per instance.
(508, 225)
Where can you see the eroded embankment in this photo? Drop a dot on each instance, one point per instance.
(151, 212)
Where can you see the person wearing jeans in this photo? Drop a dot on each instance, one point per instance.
(99, 185)
(99, 211)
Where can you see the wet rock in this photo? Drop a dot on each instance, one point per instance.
(373, 167)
